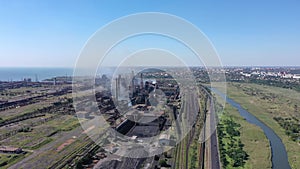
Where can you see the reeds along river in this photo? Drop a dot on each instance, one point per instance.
(279, 154)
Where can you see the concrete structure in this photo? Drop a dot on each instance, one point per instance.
(164, 139)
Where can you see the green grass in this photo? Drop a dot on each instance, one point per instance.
(69, 124)
(39, 135)
(193, 155)
(48, 158)
(280, 104)
(232, 150)
(7, 160)
(256, 144)
(21, 111)
(177, 153)
(42, 143)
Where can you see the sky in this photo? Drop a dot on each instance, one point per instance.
(244, 33)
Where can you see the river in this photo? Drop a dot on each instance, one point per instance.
(279, 154)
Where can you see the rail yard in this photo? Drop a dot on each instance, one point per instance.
(40, 126)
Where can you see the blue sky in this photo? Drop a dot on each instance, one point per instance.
(52, 33)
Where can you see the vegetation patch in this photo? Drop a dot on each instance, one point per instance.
(281, 105)
(42, 143)
(7, 160)
(232, 151)
(291, 126)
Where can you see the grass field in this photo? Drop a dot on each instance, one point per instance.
(8, 159)
(267, 102)
(42, 134)
(255, 142)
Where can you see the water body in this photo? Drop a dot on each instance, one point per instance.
(17, 74)
(279, 154)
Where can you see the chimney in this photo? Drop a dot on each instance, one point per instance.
(142, 83)
(117, 89)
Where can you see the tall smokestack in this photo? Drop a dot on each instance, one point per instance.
(142, 83)
(132, 83)
(54, 82)
(117, 89)
(119, 84)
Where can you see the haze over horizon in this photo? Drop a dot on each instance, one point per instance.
(52, 33)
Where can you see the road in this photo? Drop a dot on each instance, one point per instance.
(215, 161)
(212, 158)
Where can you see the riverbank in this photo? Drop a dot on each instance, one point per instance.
(265, 103)
(256, 145)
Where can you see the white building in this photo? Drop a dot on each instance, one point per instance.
(296, 76)
(287, 76)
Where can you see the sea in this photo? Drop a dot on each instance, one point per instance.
(39, 74)
(36, 74)
(9, 74)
